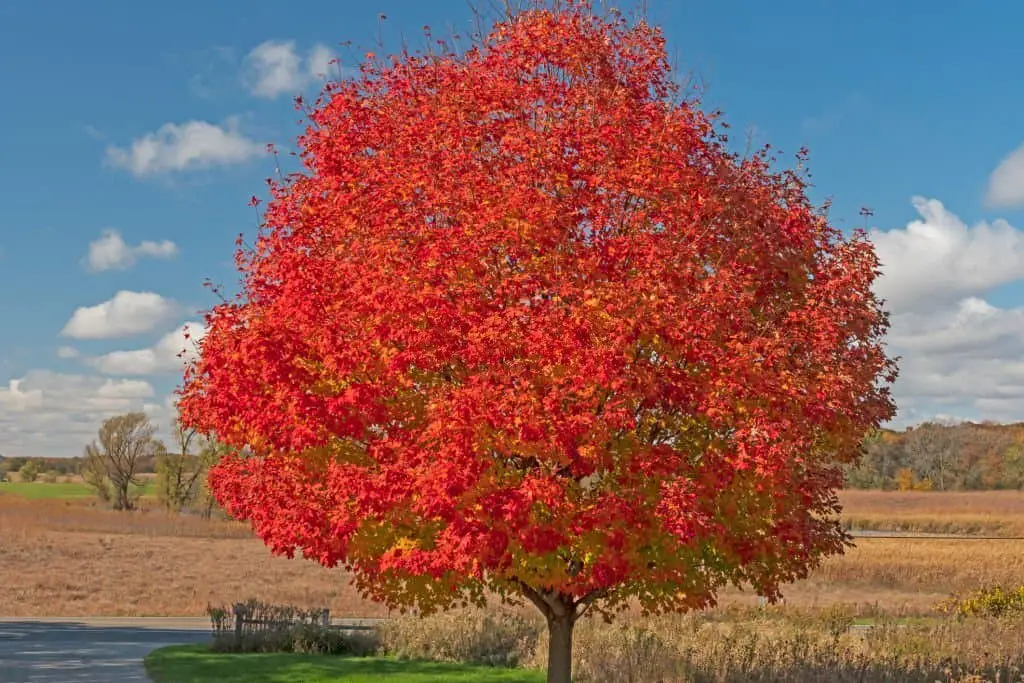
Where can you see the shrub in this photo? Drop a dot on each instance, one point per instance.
(623, 653)
(777, 645)
(29, 472)
(282, 628)
(730, 646)
(496, 637)
(992, 601)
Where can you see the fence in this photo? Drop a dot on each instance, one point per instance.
(254, 617)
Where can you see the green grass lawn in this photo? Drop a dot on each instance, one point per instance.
(38, 490)
(196, 664)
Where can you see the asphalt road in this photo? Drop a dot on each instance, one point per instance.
(88, 650)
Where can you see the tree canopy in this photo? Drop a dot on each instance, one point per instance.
(524, 325)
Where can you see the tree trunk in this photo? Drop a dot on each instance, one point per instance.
(123, 500)
(560, 648)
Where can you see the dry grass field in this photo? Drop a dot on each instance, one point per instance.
(67, 558)
(988, 513)
(70, 558)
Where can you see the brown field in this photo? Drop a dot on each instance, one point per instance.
(988, 513)
(66, 558)
(63, 558)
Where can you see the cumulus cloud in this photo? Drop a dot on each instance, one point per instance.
(126, 314)
(1006, 184)
(170, 354)
(975, 388)
(15, 398)
(938, 260)
(53, 414)
(111, 252)
(972, 328)
(274, 68)
(318, 64)
(970, 351)
(960, 354)
(185, 146)
(67, 352)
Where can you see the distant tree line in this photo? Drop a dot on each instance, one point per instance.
(38, 468)
(62, 467)
(931, 456)
(942, 457)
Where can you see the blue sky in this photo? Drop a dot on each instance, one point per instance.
(133, 135)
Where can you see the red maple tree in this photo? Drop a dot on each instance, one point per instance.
(523, 326)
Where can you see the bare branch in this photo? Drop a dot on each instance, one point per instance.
(111, 467)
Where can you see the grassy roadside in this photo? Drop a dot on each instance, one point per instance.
(196, 664)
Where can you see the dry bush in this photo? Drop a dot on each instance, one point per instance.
(993, 601)
(498, 636)
(285, 628)
(621, 652)
(778, 645)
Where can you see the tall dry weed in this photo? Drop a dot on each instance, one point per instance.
(498, 636)
(771, 646)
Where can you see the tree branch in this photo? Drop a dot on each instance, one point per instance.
(534, 596)
(587, 601)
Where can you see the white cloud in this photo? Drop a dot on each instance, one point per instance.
(125, 389)
(977, 374)
(169, 354)
(53, 414)
(14, 398)
(185, 146)
(939, 260)
(960, 354)
(274, 68)
(67, 352)
(1006, 184)
(971, 329)
(318, 64)
(127, 313)
(111, 252)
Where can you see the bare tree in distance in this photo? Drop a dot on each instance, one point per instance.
(94, 474)
(209, 456)
(111, 466)
(182, 470)
(179, 470)
(933, 449)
